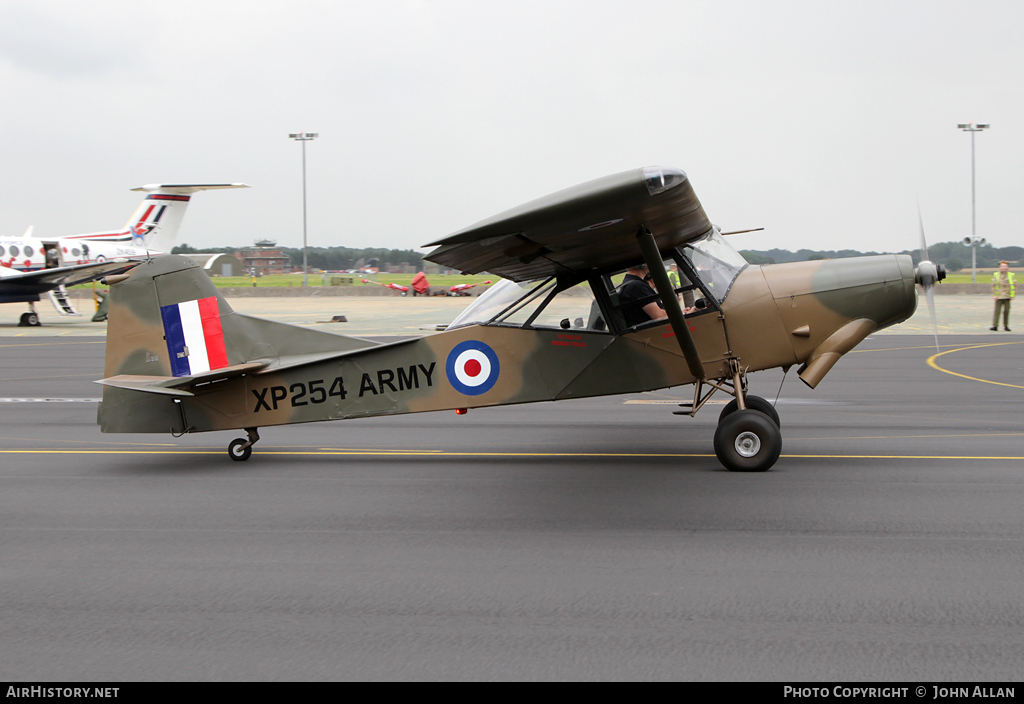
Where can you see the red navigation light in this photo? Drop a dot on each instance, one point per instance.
(461, 411)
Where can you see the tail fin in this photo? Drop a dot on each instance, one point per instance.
(153, 226)
(155, 223)
(171, 336)
(166, 318)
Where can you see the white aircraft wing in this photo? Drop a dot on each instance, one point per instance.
(27, 282)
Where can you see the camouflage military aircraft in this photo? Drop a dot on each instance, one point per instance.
(180, 360)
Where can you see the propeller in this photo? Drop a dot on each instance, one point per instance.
(928, 274)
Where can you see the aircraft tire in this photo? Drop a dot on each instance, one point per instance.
(755, 402)
(237, 452)
(748, 441)
(32, 320)
(100, 259)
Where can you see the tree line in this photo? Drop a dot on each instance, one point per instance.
(327, 258)
(953, 255)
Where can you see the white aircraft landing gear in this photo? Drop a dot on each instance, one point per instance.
(240, 449)
(29, 319)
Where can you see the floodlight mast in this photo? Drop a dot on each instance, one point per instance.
(972, 128)
(304, 137)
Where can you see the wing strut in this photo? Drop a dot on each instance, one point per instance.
(656, 266)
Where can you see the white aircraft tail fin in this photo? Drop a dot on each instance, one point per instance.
(155, 223)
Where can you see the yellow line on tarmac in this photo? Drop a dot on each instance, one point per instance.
(379, 453)
(896, 349)
(899, 457)
(435, 453)
(906, 437)
(933, 365)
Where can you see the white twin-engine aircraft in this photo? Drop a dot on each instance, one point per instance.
(31, 266)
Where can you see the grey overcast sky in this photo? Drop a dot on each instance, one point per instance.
(824, 122)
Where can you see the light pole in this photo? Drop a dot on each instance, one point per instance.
(974, 241)
(304, 137)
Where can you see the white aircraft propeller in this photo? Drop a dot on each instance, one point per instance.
(928, 274)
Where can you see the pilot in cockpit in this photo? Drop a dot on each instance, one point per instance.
(639, 300)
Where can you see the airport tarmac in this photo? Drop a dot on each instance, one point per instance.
(594, 539)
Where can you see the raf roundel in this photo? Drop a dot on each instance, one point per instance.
(472, 368)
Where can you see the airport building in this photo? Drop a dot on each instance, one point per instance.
(265, 258)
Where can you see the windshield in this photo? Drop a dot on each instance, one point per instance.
(497, 298)
(535, 304)
(716, 262)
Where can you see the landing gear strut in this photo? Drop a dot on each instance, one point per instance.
(748, 438)
(240, 449)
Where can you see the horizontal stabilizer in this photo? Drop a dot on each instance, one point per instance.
(184, 189)
(175, 385)
(149, 384)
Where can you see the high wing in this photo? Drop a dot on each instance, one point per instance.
(589, 226)
(17, 283)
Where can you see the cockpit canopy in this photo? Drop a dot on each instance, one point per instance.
(702, 272)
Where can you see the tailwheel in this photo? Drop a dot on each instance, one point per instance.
(753, 402)
(239, 450)
(748, 441)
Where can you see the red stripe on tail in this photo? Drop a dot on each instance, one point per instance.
(209, 314)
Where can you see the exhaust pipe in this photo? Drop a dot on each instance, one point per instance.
(825, 356)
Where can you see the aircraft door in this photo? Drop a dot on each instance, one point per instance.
(52, 256)
(700, 307)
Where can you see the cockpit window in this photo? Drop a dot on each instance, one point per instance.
(716, 263)
(534, 304)
(498, 299)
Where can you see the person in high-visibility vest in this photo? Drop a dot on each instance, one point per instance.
(673, 277)
(1004, 288)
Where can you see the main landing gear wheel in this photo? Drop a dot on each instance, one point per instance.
(240, 450)
(754, 402)
(748, 441)
(28, 320)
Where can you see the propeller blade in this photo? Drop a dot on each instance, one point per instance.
(930, 292)
(929, 275)
(924, 244)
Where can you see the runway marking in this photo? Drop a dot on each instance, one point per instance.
(48, 376)
(50, 344)
(933, 365)
(50, 400)
(660, 402)
(908, 437)
(443, 453)
(898, 349)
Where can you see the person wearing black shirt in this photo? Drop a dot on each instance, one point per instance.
(640, 302)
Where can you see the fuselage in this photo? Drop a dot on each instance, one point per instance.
(808, 313)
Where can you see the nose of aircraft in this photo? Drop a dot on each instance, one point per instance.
(830, 306)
